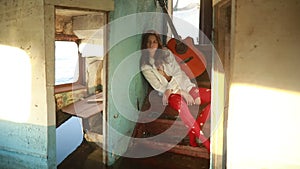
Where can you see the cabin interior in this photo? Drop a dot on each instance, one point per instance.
(75, 96)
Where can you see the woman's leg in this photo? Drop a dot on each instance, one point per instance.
(203, 94)
(192, 139)
(179, 104)
(203, 116)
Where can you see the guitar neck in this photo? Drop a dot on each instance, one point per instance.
(169, 19)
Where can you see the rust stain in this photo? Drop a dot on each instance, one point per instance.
(251, 31)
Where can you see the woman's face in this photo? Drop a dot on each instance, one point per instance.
(152, 44)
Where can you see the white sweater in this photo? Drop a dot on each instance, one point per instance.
(179, 79)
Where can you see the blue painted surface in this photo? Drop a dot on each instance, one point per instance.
(26, 146)
(69, 136)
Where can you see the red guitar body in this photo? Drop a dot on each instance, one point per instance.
(191, 60)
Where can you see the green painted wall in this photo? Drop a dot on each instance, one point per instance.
(126, 85)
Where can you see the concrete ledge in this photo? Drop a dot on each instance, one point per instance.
(104, 5)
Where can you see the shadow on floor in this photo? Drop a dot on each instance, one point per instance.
(89, 156)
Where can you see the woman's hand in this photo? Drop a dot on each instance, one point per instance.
(188, 98)
(166, 96)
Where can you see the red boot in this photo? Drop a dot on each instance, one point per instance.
(192, 138)
(202, 118)
(179, 104)
(199, 134)
(204, 115)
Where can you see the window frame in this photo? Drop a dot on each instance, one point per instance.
(80, 83)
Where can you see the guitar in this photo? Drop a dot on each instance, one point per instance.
(189, 58)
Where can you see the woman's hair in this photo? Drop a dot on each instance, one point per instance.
(160, 55)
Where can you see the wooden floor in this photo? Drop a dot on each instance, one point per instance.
(89, 156)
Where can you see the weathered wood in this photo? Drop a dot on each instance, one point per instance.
(175, 129)
(200, 152)
(83, 108)
(222, 43)
(159, 126)
(103, 5)
(205, 24)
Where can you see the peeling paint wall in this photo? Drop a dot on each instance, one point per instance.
(63, 25)
(27, 114)
(126, 86)
(263, 119)
(27, 120)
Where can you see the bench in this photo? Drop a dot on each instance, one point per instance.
(87, 109)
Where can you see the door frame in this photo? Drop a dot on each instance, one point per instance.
(49, 7)
(221, 80)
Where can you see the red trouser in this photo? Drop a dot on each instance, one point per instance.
(178, 103)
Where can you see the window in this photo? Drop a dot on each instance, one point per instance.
(66, 62)
(186, 18)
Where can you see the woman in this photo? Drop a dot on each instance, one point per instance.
(161, 70)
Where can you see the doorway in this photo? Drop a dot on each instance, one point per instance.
(79, 78)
